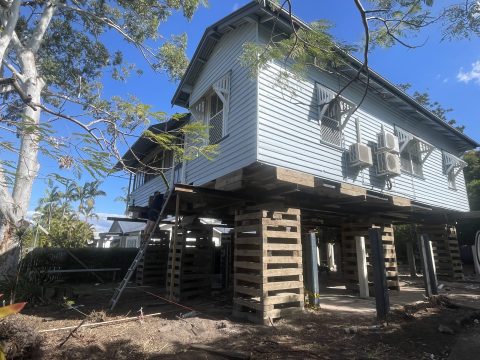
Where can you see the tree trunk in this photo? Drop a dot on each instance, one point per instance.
(9, 249)
(27, 165)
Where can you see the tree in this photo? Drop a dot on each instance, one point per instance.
(56, 223)
(472, 178)
(65, 231)
(54, 55)
(423, 98)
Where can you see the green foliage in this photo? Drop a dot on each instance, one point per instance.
(312, 47)
(73, 60)
(64, 232)
(57, 223)
(472, 178)
(423, 98)
(462, 20)
(172, 57)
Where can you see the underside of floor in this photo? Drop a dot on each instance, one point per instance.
(264, 217)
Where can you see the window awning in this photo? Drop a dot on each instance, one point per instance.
(405, 138)
(198, 110)
(452, 164)
(222, 87)
(325, 97)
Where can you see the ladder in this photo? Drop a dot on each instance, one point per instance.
(143, 247)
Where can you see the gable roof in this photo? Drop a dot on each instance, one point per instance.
(255, 11)
(143, 146)
(126, 227)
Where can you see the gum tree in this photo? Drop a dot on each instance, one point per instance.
(54, 57)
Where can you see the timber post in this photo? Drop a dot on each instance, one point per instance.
(428, 264)
(311, 268)
(379, 273)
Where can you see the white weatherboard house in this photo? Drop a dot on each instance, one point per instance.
(257, 120)
(391, 161)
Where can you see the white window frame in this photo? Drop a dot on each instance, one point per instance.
(406, 141)
(452, 167)
(200, 110)
(408, 154)
(326, 100)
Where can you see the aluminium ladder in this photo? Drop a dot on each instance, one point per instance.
(143, 247)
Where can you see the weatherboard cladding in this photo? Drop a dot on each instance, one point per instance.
(287, 132)
(289, 136)
(140, 196)
(237, 150)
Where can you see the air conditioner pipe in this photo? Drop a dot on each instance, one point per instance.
(359, 134)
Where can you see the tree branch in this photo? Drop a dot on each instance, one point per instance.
(36, 38)
(8, 26)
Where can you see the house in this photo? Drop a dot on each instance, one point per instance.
(305, 160)
(124, 234)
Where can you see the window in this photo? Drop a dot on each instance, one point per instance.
(131, 242)
(139, 180)
(414, 151)
(411, 159)
(330, 124)
(334, 113)
(452, 184)
(452, 166)
(212, 109)
(215, 119)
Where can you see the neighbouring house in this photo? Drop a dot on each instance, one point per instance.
(292, 159)
(123, 234)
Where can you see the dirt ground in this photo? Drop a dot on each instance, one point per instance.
(343, 328)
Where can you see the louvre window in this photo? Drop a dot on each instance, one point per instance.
(215, 119)
(452, 167)
(411, 159)
(212, 109)
(334, 113)
(330, 124)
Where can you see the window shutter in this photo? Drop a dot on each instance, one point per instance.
(324, 98)
(222, 89)
(452, 165)
(198, 110)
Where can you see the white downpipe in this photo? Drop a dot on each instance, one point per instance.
(476, 253)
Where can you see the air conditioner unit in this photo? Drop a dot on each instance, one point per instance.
(360, 155)
(387, 142)
(388, 164)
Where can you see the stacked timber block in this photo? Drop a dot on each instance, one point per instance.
(445, 250)
(268, 272)
(349, 255)
(189, 262)
(152, 267)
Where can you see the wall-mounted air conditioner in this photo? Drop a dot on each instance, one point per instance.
(388, 164)
(360, 155)
(387, 142)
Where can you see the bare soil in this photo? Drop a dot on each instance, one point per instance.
(410, 333)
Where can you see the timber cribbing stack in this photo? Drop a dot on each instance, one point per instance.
(445, 250)
(349, 254)
(268, 271)
(192, 261)
(152, 268)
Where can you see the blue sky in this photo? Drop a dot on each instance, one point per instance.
(449, 71)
